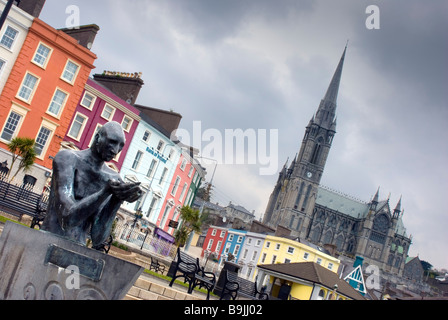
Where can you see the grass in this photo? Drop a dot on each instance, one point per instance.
(4, 219)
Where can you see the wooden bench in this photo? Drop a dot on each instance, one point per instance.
(189, 268)
(234, 286)
(156, 266)
(19, 201)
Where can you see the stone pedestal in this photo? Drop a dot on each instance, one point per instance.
(37, 265)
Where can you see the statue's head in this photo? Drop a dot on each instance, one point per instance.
(108, 141)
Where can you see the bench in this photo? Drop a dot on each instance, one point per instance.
(156, 266)
(189, 268)
(234, 286)
(19, 201)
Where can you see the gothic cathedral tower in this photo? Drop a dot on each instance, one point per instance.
(292, 201)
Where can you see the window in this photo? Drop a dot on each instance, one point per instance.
(77, 126)
(249, 241)
(268, 243)
(162, 177)
(236, 250)
(263, 257)
(287, 261)
(70, 71)
(41, 140)
(274, 257)
(210, 243)
(146, 136)
(171, 153)
(319, 260)
(28, 85)
(291, 250)
(151, 168)
(182, 194)
(2, 64)
(213, 232)
(190, 172)
(254, 255)
(306, 255)
(330, 266)
(108, 112)
(258, 243)
(223, 233)
(98, 126)
(183, 164)
(160, 145)
(175, 186)
(151, 206)
(218, 246)
(230, 237)
(87, 100)
(41, 56)
(57, 102)
(126, 123)
(8, 37)
(11, 125)
(240, 239)
(137, 159)
(277, 246)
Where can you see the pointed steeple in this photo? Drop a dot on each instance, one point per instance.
(327, 108)
(397, 209)
(332, 92)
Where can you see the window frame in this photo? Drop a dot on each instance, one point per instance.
(47, 58)
(52, 128)
(112, 112)
(58, 115)
(91, 104)
(81, 129)
(13, 40)
(129, 126)
(33, 91)
(75, 75)
(22, 112)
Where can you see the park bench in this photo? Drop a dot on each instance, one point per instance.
(19, 201)
(234, 286)
(189, 268)
(156, 266)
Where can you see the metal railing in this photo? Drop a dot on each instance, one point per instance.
(144, 241)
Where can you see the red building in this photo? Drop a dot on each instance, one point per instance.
(214, 240)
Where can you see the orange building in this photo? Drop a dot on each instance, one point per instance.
(44, 87)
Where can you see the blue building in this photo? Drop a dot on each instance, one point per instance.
(233, 244)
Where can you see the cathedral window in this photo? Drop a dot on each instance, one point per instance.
(296, 205)
(316, 152)
(305, 201)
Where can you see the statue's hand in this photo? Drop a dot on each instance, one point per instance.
(129, 192)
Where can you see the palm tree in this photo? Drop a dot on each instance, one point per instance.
(191, 221)
(22, 148)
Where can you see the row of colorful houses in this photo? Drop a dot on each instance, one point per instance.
(250, 249)
(47, 93)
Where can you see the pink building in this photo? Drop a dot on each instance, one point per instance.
(177, 192)
(97, 106)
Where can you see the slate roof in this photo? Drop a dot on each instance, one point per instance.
(315, 273)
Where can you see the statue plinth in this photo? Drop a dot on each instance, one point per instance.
(38, 265)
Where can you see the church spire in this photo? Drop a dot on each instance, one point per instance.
(327, 108)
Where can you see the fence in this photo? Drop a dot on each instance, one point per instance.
(144, 241)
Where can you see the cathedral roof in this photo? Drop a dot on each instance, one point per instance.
(341, 202)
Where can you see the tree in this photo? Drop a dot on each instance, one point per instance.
(22, 148)
(191, 221)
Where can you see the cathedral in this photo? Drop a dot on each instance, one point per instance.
(326, 217)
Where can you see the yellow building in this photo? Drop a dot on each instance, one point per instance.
(283, 250)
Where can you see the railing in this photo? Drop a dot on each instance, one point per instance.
(132, 237)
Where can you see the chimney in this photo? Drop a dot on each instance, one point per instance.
(124, 85)
(84, 34)
(33, 7)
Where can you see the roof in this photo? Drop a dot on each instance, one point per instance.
(311, 271)
(341, 202)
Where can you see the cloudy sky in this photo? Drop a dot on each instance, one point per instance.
(265, 65)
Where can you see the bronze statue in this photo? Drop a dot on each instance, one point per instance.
(85, 193)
